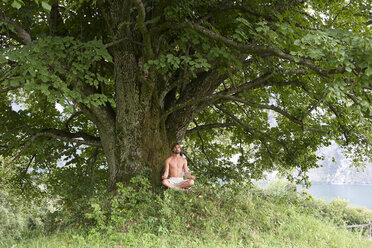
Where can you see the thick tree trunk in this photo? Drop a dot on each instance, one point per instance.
(140, 140)
(145, 149)
(139, 145)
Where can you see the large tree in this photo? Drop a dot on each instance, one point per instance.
(268, 80)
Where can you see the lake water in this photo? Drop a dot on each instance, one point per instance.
(357, 195)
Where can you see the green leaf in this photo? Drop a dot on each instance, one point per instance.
(46, 6)
(16, 4)
(369, 71)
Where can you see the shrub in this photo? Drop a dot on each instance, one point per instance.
(19, 218)
(336, 211)
(231, 215)
(122, 210)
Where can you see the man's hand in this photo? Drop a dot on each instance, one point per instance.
(163, 177)
(192, 177)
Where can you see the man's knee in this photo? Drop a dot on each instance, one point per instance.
(165, 182)
(191, 182)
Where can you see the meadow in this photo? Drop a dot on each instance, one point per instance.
(230, 215)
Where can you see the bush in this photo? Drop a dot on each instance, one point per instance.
(336, 211)
(231, 215)
(122, 210)
(20, 219)
(13, 223)
(281, 188)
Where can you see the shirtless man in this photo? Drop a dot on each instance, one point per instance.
(174, 165)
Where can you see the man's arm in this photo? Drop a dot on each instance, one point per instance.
(166, 170)
(186, 169)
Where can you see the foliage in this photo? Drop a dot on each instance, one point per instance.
(109, 85)
(336, 211)
(21, 219)
(339, 212)
(235, 215)
(13, 224)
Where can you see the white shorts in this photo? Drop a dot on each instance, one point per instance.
(177, 181)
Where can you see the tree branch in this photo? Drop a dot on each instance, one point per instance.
(342, 126)
(91, 162)
(258, 82)
(11, 88)
(248, 85)
(61, 135)
(202, 145)
(249, 128)
(72, 117)
(121, 40)
(278, 110)
(20, 33)
(192, 162)
(217, 96)
(226, 93)
(263, 106)
(267, 149)
(365, 94)
(249, 48)
(315, 104)
(102, 116)
(63, 153)
(334, 19)
(142, 27)
(170, 87)
(352, 98)
(20, 153)
(25, 172)
(189, 103)
(28, 165)
(70, 137)
(210, 126)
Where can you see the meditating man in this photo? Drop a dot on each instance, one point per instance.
(175, 165)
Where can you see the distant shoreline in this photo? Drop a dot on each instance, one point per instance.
(360, 184)
(264, 182)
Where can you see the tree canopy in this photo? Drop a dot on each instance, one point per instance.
(108, 86)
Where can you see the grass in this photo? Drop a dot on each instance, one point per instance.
(220, 216)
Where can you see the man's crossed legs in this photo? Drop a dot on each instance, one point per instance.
(178, 183)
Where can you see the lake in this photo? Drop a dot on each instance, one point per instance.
(357, 195)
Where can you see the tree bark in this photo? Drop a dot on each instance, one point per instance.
(141, 139)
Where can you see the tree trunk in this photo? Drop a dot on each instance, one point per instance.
(140, 140)
(138, 146)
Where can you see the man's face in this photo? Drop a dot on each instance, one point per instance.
(177, 149)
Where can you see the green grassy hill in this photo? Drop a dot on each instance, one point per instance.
(239, 215)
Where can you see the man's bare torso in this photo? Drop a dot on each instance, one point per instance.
(176, 165)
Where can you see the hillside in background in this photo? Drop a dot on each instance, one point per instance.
(336, 169)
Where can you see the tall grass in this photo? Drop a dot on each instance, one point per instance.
(236, 215)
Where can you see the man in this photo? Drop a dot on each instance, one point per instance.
(175, 165)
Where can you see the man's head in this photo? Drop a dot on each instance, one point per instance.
(176, 148)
